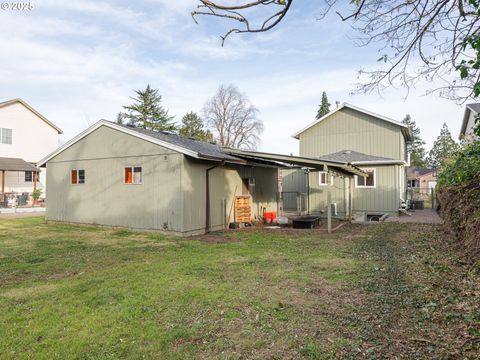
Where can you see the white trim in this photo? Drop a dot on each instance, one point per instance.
(381, 117)
(133, 171)
(366, 186)
(379, 162)
(319, 178)
(78, 177)
(18, 100)
(111, 125)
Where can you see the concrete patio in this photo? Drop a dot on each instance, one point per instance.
(427, 216)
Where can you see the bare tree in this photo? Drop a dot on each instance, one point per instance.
(233, 119)
(419, 40)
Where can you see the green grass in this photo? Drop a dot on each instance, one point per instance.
(95, 293)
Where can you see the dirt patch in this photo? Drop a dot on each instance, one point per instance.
(416, 291)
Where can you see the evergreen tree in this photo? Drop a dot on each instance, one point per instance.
(324, 107)
(444, 148)
(193, 127)
(416, 148)
(147, 112)
(120, 117)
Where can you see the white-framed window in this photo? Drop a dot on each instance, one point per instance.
(77, 177)
(29, 176)
(133, 175)
(6, 136)
(369, 181)
(323, 178)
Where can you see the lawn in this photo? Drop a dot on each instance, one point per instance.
(363, 292)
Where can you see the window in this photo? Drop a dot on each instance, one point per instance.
(29, 176)
(133, 175)
(6, 136)
(322, 178)
(366, 181)
(77, 177)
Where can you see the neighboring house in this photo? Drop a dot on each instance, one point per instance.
(130, 177)
(372, 142)
(468, 124)
(421, 179)
(26, 136)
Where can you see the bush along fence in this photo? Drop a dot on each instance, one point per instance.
(459, 200)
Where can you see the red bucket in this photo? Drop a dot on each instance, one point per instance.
(269, 216)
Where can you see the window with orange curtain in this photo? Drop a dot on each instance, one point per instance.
(133, 175)
(128, 175)
(74, 177)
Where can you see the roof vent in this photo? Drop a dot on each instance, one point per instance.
(166, 132)
(347, 152)
(337, 103)
(213, 142)
(131, 125)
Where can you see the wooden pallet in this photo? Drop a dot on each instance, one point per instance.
(243, 211)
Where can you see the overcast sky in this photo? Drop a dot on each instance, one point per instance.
(77, 62)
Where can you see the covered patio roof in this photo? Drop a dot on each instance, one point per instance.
(317, 164)
(15, 164)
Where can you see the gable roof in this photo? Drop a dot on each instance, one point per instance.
(193, 148)
(475, 107)
(405, 130)
(18, 100)
(414, 172)
(358, 158)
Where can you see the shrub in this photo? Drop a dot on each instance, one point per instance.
(463, 169)
(36, 194)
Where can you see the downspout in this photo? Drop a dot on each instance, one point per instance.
(207, 205)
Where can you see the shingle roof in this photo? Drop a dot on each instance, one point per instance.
(350, 156)
(204, 149)
(415, 171)
(15, 164)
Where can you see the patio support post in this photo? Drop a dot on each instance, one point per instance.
(35, 181)
(3, 181)
(329, 208)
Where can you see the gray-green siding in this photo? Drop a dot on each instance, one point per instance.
(384, 198)
(173, 194)
(349, 129)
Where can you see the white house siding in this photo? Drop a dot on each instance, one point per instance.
(32, 140)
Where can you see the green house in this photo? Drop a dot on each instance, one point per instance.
(374, 143)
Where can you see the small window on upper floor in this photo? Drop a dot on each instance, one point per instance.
(77, 177)
(6, 136)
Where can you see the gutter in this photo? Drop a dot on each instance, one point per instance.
(380, 162)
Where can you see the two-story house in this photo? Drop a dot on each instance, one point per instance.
(26, 136)
(373, 142)
(468, 123)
